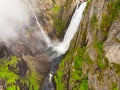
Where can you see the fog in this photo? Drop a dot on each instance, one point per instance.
(14, 15)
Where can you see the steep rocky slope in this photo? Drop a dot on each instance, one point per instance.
(55, 15)
(92, 62)
(23, 65)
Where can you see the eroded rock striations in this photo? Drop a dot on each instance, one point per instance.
(23, 63)
(92, 63)
(55, 15)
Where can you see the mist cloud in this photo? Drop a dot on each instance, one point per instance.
(14, 15)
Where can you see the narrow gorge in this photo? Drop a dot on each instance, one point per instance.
(60, 45)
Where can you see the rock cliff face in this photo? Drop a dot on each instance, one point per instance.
(23, 65)
(55, 15)
(92, 62)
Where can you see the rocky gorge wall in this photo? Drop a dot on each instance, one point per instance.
(55, 15)
(92, 62)
(24, 65)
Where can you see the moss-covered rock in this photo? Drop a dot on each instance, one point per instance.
(15, 75)
(90, 66)
(71, 75)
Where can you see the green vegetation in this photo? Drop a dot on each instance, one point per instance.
(72, 67)
(59, 26)
(11, 77)
(78, 81)
(56, 8)
(5, 73)
(102, 61)
(68, 4)
(94, 21)
(33, 78)
(110, 15)
(117, 40)
(73, 70)
(58, 23)
(60, 73)
(114, 86)
(83, 85)
(116, 68)
(87, 6)
(58, 78)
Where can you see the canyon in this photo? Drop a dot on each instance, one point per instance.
(89, 62)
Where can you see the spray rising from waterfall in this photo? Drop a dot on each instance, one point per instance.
(44, 35)
(12, 19)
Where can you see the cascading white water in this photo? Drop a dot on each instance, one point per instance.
(45, 37)
(63, 46)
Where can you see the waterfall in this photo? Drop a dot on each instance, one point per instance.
(60, 49)
(45, 37)
(63, 46)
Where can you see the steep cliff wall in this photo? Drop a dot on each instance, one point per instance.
(55, 15)
(92, 62)
(22, 66)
